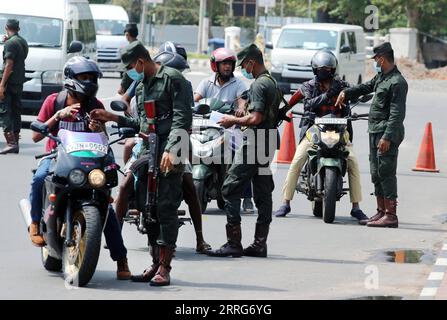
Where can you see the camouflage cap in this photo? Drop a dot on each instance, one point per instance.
(252, 51)
(132, 52)
(382, 49)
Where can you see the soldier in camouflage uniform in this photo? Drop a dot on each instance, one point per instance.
(386, 131)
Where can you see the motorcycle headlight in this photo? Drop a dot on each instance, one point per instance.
(52, 77)
(77, 177)
(330, 138)
(97, 178)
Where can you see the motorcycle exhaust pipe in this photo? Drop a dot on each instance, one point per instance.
(25, 209)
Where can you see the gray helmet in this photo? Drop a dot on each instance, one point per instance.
(324, 58)
(173, 60)
(174, 48)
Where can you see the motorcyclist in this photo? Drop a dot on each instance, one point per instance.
(224, 86)
(78, 98)
(320, 95)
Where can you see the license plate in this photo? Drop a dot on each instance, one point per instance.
(203, 123)
(340, 121)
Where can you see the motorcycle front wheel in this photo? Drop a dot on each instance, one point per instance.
(80, 260)
(330, 194)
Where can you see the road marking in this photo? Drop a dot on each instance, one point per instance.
(441, 262)
(429, 292)
(436, 276)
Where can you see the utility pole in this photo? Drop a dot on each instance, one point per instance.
(309, 10)
(282, 12)
(201, 24)
(143, 21)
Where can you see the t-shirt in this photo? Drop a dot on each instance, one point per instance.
(228, 93)
(16, 49)
(79, 125)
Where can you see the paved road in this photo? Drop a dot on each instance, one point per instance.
(307, 258)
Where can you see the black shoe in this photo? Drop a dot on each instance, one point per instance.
(227, 250)
(282, 211)
(256, 251)
(358, 214)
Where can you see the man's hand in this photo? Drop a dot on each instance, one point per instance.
(384, 146)
(2, 92)
(167, 161)
(101, 115)
(341, 100)
(227, 121)
(240, 112)
(95, 126)
(70, 111)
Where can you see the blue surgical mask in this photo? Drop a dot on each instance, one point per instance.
(246, 74)
(377, 68)
(134, 75)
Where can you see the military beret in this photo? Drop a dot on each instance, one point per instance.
(12, 24)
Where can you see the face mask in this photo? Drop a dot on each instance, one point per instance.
(247, 75)
(324, 74)
(377, 68)
(134, 75)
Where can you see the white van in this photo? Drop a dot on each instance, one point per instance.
(55, 31)
(110, 22)
(297, 43)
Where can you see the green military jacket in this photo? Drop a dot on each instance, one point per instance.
(173, 100)
(264, 97)
(387, 112)
(16, 49)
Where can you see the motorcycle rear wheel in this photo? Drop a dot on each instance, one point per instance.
(50, 263)
(201, 193)
(317, 208)
(79, 261)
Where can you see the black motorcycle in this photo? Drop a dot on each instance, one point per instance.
(76, 198)
(321, 179)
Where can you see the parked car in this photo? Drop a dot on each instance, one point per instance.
(55, 31)
(298, 43)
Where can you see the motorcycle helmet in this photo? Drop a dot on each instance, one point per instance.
(221, 55)
(169, 46)
(324, 59)
(173, 60)
(81, 65)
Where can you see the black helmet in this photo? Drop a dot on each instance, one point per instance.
(80, 65)
(324, 58)
(174, 48)
(173, 60)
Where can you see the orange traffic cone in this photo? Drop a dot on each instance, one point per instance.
(287, 147)
(426, 158)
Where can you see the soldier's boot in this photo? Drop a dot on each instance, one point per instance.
(233, 247)
(150, 272)
(122, 270)
(36, 238)
(12, 145)
(259, 246)
(389, 220)
(162, 277)
(380, 211)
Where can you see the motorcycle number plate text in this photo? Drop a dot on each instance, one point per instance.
(86, 146)
(341, 121)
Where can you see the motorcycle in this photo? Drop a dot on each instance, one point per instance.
(76, 197)
(142, 201)
(321, 179)
(212, 149)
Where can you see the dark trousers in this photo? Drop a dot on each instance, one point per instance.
(241, 173)
(11, 119)
(383, 168)
(165, 231)
(114, 239)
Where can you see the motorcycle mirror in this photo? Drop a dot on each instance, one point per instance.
(366, 98)
(127, 132)
(202, 109)
(39, 127)
(118, 105)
